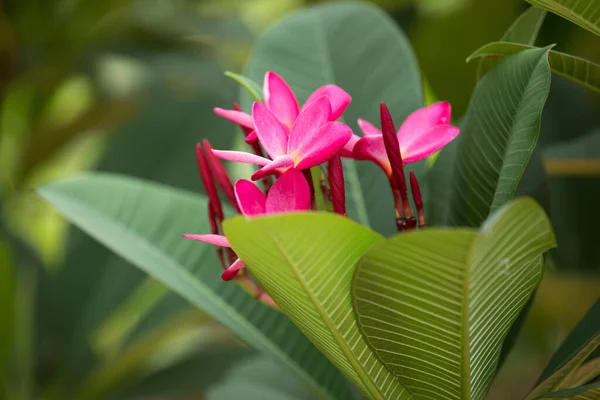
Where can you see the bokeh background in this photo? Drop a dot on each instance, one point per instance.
(128, 86)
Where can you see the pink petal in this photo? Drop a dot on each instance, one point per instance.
(290, 192)
(307, 125)
(233, 270)
(238, 117)
(240, 156)
(338, 98)
(271, 134)
(217, 240)
(368, 128)
(428, 143)
(250, 198)
(252, 137)
(422, 120)
(372, 148)
(280, 164)
(280, 99)
(349, 146)
(327, 141)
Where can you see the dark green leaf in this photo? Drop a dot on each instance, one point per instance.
(498, 135)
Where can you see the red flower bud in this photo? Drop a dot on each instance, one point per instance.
(336, 184)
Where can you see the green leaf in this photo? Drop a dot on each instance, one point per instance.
(524, 30)
(576, 348)
(143, 222)
(251, 87)
(439, 180)
(436, 305)
(577, 69)
(585, 13)
(310, 49)
(305, 262)
(498, 136)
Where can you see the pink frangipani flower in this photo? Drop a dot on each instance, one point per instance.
(423, 133)
(289, 193)
(279, 98)
(314, 138)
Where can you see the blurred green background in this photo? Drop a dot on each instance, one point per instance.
(128, 86)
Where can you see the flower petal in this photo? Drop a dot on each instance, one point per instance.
(290, 192)
(217, 240)
(252, 137)
(338, 98)
(233, 270)
(372, 148)
(422, 120)
(238, 117)
(250, 198)
(271, 133)
(280, 164)
(240, 156)
(367, 128)
(346, 151)
(327, 141)
(280, 99)
(428, 143)
(307, 125)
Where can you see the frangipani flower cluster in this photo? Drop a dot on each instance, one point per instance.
(296, 139)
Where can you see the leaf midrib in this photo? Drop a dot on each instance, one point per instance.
(182, 273)
(360, 371)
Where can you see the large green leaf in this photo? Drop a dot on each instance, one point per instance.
(498, 136)
(436, 305)
(523, 30)
(585, 13)
(310, 48)
(143, 222)
(578, 346)
(577, 69)
(305, 262)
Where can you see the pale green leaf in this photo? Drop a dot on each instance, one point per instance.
(251, 87)
(577, 69)
(585, 13)
(311, 48)
(498, 135)
(587, 392)
(437, 304)
(143, 223)
(305, 262)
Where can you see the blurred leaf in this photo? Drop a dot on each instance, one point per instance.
(439, 179)
(258, 378)
(436, 305)
(585, 13)
(251, 87)
(498, 135)
(305, 263)
(311, 48)
(7, 309)
(578, 157)
(129, 216)
(195, 373)
(579, 70)
(46, 143)
(524, 30)
(578, 346)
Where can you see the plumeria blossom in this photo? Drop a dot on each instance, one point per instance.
(289, 193)
(423, 133)
(313, 139)
(279, 98)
